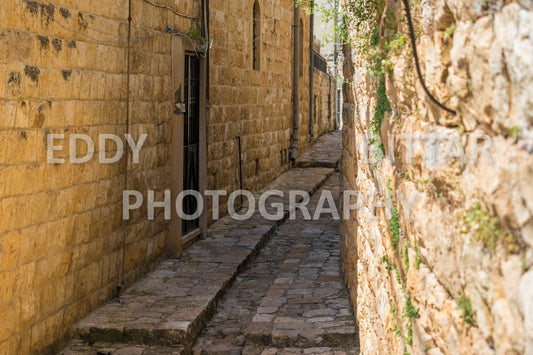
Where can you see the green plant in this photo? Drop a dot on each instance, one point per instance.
(409, 337)
(398, 43)
(385, 260)
(390, 267)
(368, 27)
(410, 310)
(515, 133)
(393, 310)
(487, 230)
(405, 255)
(470, 84)
(382, 105)
(524, 266)
(464, 304)
(417, 256)
(389, 186)
(352, 16)
(394, 227)
(196, 34)
(378, 151)
(398, 276)
(396, 330)
(450, 30)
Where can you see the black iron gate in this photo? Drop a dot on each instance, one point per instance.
(191, 142)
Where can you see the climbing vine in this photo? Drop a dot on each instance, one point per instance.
(369, 27)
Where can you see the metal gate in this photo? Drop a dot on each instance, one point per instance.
(191, 142)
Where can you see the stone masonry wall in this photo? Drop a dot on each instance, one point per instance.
(323, 105)
(438, 256)
(61, 230)
(256, 104)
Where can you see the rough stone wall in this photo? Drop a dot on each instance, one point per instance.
(61, 225)
(256, 105)
(61, 231)
(476, 58)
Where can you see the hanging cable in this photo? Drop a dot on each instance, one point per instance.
(168, 29)
(170, 9)
(417, 63)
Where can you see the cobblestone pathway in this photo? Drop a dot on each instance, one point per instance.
(320, 155)
(250, 287)
(292, 299)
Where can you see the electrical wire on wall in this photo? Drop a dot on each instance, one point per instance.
(417, 62)
(128, 44)
(170, 9)
(137, 40)
(168, 29)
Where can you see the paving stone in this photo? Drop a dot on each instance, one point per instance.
(326, 152)
(78, 347)
(267, 310)
(187, 288)
(306, 311)
(295, 262)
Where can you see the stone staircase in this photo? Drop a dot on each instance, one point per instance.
(324, 153)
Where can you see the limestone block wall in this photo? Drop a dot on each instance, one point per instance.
(256, 104)
(323, 105)
(62, 235)
(61, 229)
(438, 255)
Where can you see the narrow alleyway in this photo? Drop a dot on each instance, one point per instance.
(250, 287)
(292, 299)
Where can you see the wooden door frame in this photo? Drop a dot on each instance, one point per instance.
(176, 243)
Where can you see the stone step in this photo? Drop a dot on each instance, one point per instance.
(170, 306)
(308, 304)
(326, 320)
(228, 349)
(293, 293)
(78, 347)
(325, 153)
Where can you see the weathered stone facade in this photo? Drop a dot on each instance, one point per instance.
(257, 105)
(63, 245)
(433, 272)
(61, 228)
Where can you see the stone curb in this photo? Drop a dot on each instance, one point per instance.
(105, 325)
